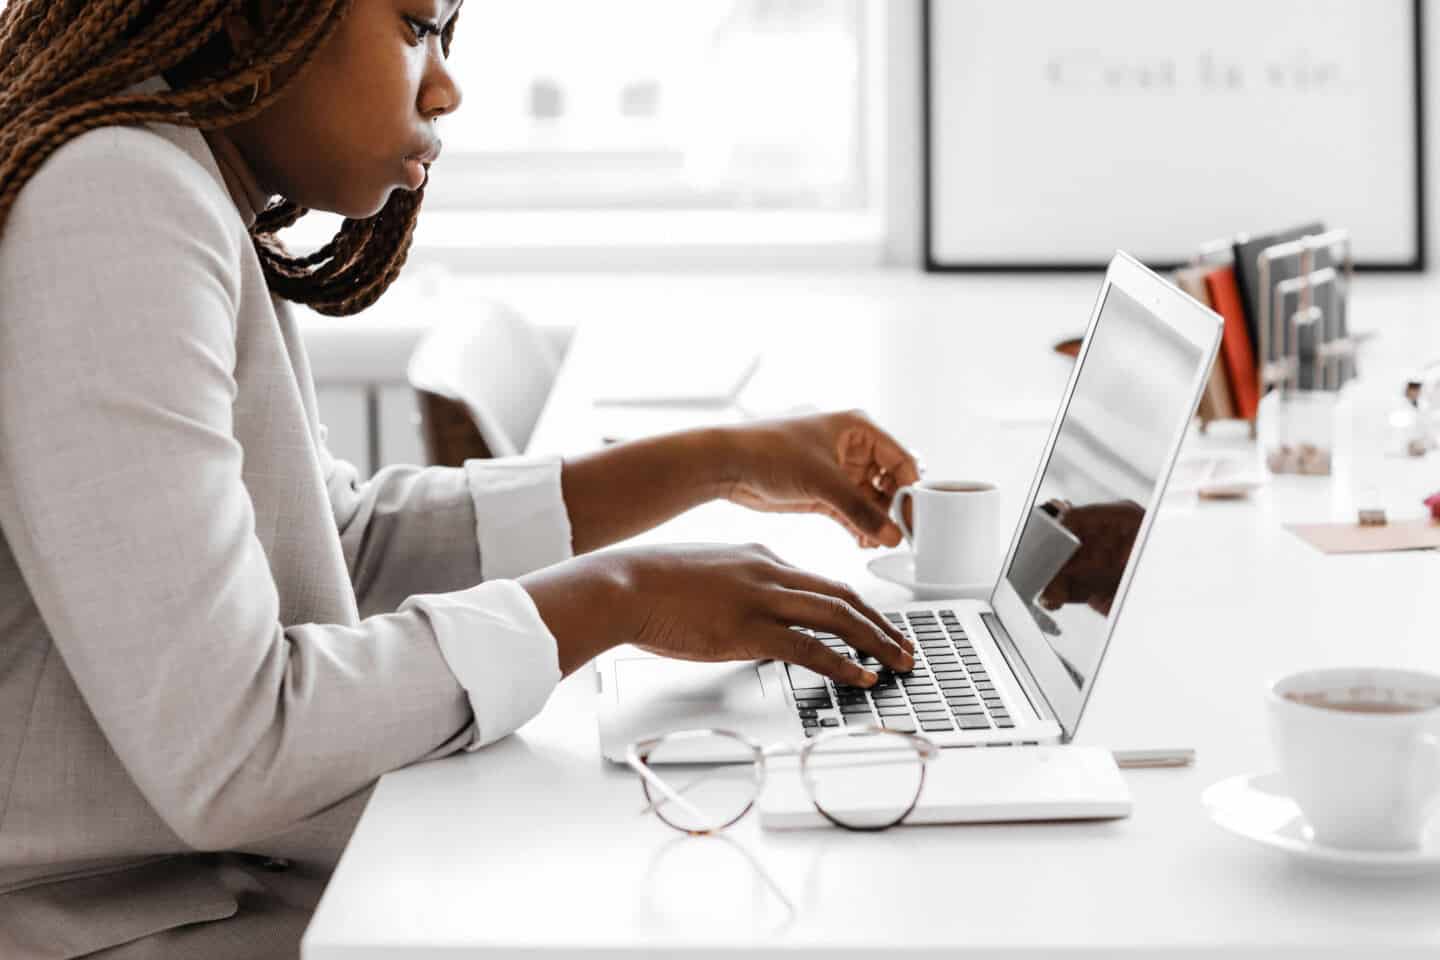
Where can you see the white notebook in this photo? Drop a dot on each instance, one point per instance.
(975, 785)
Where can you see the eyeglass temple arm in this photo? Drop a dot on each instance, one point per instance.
(648, 775)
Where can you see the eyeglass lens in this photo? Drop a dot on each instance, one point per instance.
(709, 797)
(864, 779)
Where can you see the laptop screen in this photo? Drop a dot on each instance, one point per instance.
(1133, 396)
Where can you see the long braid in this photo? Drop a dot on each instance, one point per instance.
(64, 67)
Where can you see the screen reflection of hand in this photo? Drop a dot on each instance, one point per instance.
(1106, 532)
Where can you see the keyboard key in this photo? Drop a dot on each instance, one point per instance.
(812, 731)
(808, 714)
(903, 724)
(830, 722)
(894, 711)
(935, 726)
(932, 715)
(974, 723)
(861, 719)
(1005, 724)
(968, 711)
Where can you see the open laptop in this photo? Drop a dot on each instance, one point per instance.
(1019, 668)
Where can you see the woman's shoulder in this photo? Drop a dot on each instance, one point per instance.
(125, 171)
(134, 214)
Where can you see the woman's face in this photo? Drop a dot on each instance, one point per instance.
(360, 122)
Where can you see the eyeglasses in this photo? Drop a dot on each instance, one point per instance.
(859, 778)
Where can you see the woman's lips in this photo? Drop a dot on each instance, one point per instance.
(417, 165)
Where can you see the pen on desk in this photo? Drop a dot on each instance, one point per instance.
(1134, 759)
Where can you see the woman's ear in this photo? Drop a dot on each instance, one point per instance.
(240, 32)
(241, 26)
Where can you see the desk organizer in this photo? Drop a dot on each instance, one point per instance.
(1287, 349)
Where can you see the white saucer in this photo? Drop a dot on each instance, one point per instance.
(1257, 808)
(899, 567)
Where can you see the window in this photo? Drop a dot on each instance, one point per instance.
(658, 104)
(643, 133)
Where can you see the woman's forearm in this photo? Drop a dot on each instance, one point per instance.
(624, 490)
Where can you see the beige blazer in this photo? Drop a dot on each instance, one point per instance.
(205, 643)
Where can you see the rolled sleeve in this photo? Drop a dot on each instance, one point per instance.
(499, 649)
(520, 515)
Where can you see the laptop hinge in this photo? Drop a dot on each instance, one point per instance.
(1018, 667)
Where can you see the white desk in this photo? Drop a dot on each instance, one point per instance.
(536, 846)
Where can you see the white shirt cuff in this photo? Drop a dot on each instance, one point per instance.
(495, 643)
(520, 515)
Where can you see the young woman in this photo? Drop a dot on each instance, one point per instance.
(213, 636)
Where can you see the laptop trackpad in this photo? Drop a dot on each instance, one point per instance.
(653, 695)
(701, 686)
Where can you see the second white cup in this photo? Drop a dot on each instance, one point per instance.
(954, 529)
(1360, 752)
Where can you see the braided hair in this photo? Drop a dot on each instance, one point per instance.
(65, 67)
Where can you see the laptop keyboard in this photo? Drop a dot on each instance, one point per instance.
(948, 690)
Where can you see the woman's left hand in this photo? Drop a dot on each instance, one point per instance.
(838, 464)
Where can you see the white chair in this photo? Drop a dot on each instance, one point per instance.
(481, 381)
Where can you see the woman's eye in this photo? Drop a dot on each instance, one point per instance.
(422, 28)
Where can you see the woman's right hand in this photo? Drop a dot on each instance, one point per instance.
(710, 602)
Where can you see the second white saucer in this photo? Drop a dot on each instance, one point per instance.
(899, 567)
(1257, 808)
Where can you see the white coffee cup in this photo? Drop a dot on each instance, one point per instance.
(953, 530)
(1359, 749)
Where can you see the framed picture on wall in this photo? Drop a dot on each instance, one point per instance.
(1058, 131)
